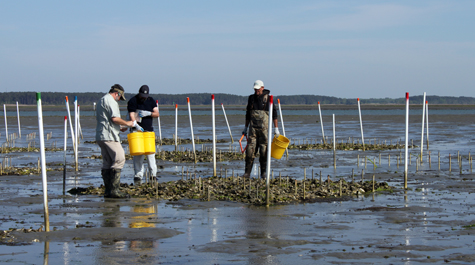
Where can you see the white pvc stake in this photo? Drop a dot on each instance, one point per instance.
(176, 127)
(79, 122)
(76, 132)
(18, 115)
(70, 123)
(229, 128)
(214, 136)
(321, 122)
(406, 153)
(282, 122)
(334, 143)
(361, 125)
(334, 136)
(191, 128)
(6, 125)
(43, 161)
(281, 118)
(269, 148)
(423, 117)
(159, 127)
(65, 146)
(427, 122)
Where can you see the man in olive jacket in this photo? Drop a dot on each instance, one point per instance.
(109, 124)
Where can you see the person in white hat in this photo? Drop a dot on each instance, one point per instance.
(257, 120)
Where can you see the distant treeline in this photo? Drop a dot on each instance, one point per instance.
(57, 98)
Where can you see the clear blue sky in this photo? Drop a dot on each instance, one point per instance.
(345, 49)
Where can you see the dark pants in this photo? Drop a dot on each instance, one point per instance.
(257, 142)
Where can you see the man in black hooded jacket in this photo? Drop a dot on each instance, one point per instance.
(257, 120)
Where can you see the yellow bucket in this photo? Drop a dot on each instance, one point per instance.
(136, 143)
(149, 143)
(279, 144)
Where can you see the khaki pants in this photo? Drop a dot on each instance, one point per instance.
(113, 155)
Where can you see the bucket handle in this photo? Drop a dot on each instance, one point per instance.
(240, 144)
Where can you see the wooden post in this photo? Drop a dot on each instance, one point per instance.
(373, 182)
(438, 159)
(295, 187)
(450, 163)
(340, 187)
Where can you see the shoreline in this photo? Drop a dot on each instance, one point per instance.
(285, 107)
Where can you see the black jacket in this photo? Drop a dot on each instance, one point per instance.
(259, 103)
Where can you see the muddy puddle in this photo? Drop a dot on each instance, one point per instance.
(432, 221)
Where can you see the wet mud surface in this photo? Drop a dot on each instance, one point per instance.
(430, 222)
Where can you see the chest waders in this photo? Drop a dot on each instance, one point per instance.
(257, 141)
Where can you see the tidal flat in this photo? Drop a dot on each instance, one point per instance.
(431, 221)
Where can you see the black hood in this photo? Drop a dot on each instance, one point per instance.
(264, 92)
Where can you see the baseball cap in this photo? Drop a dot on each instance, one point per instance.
(144, 91)
(118, 88)
(258, 84)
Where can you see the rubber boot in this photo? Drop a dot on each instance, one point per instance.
(248, 169)
(263, 171)
(263, 164)
(115, 185)
(107, 183)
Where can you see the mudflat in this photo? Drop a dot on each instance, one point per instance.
(430, 221)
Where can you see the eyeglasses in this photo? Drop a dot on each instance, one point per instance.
(118, 93)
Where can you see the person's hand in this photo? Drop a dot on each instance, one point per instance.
(276, 131)
(144, 113)
(244, 132)
(138, 127)
(129, 123)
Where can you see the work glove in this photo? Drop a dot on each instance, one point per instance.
(144, 113)
(244, 132)
(276, 131)
(138, 127)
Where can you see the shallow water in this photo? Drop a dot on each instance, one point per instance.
(426, 223)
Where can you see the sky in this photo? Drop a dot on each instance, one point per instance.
(348, 49)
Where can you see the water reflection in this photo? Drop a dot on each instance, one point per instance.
(124, 248)
(46, 253)
(142, 221)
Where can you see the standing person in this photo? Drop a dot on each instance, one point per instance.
(107, 137)
(257, 116)
(143, 108)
